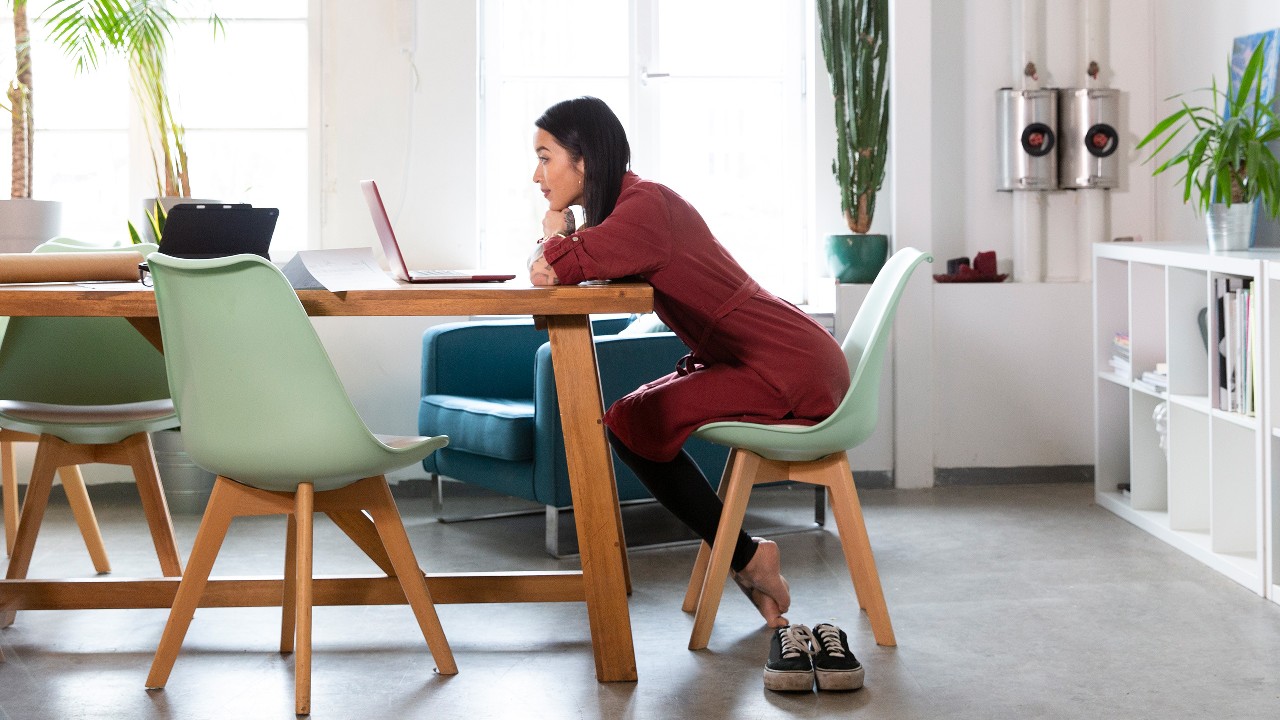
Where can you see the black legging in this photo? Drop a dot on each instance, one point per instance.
(682, 488)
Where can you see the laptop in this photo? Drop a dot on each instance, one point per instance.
(200, 230)
(395, 259)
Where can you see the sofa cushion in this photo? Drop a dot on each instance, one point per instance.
(493, 427)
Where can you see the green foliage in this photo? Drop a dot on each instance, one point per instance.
(855, 44)
(156, 220)
(1227, 160)
(88, 31)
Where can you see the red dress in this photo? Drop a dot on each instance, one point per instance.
(756, 358)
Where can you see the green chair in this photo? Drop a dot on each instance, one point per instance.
(72, 480)
(91, 390)
(262, 407)
(814, 454)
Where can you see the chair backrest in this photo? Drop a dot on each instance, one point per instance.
(864, 349)
(80, 360)
(257, 396)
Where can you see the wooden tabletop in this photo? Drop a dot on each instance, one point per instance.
(134, 300)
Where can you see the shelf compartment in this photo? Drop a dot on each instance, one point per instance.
(1189, 469)
(1188, 352)
(1234, 505)
(1149, 474)
(1147, 317)
(1112, 457)
(1111, 300)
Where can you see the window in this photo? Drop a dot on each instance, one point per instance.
(711, 95)
(241, 96)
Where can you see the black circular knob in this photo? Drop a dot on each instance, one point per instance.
(1037, 139)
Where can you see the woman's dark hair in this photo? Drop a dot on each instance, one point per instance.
(588, 129)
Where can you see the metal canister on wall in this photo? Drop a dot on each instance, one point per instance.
(1087, 119)
(1027, 135)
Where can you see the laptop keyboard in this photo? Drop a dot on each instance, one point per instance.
(439, 273)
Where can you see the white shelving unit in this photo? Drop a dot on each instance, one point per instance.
(1208, 494)
(1271, 489)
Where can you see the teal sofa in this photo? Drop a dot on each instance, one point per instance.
(488, 385)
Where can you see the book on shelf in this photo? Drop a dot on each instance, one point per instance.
(1120, 354)
(1154, 381)
(1120, 366)
(1158, 377)
(1235, 329)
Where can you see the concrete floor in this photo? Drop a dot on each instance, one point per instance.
(1008, 602)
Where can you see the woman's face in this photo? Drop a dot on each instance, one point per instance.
(559, 176)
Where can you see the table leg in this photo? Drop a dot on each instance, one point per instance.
(595, 495)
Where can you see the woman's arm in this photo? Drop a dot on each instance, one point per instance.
(540, 271)
(633, 240)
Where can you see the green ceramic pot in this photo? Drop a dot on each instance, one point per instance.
(857, 258)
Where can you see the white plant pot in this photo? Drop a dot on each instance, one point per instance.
(187, 486)
(25, 223)
(1229, 228)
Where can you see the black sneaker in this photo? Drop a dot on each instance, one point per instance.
(790, 665)
(835, 667)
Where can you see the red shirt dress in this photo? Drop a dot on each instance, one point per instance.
(756, 358)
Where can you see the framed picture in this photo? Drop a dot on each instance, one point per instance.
(1266, 230)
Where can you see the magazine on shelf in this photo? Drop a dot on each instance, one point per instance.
(1235, 330)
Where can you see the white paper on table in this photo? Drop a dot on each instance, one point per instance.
(346, 269)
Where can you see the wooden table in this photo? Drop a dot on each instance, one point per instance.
(603, 581)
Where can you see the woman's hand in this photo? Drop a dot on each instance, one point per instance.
(557, 222)
(540, 271)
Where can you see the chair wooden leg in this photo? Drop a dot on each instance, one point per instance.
(858, 555)
(33, 507)
(213, 528)
(288, 606)
(82, 509)
(735, 509)
(698, 578)
(142, 460)
(386, 517)
(304, 513)
(357, 526)
(9, 478)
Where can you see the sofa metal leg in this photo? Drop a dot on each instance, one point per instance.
(820, 505)
(438, 507)
(553, 531)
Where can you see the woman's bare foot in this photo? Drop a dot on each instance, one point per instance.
(763, 583)
(764, 604)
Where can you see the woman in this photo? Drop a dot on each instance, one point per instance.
(756, 358)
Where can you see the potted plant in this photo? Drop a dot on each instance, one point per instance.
(138, 31)
(855, 45)
(24, 222)
(1227, 161)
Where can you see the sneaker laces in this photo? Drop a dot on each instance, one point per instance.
(829, 637)
(795, 639)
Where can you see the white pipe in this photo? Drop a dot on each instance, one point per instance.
(1028, 206)
(1095, 204)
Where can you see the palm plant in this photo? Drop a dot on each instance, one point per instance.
(22, 129)
(855, 44)
(1227, 160)
(138, 30)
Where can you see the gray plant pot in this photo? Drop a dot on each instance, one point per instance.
(1229, 228)
(186, 485)
(25, 223)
